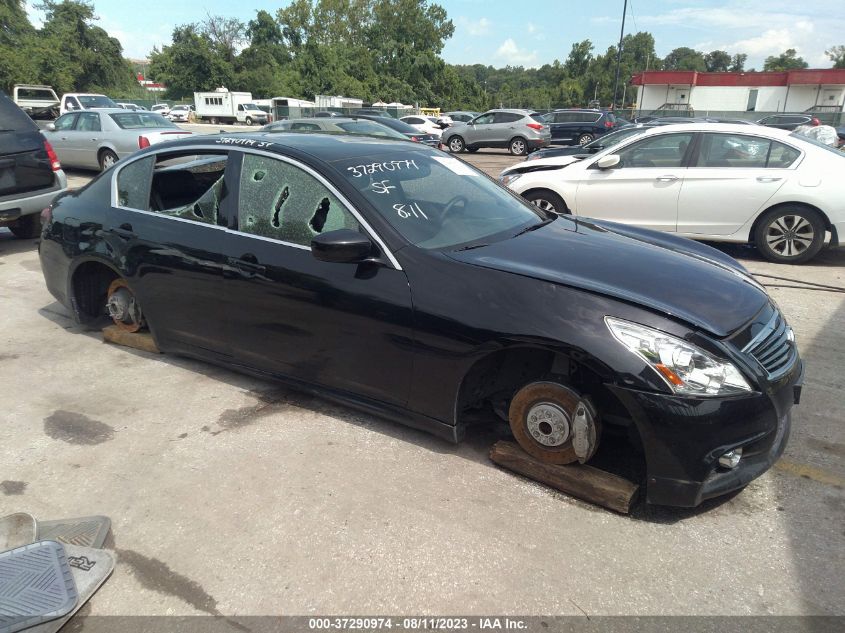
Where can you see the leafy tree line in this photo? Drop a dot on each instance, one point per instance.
(386, 50)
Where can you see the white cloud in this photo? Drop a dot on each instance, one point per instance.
(512, 55)
(475, 27)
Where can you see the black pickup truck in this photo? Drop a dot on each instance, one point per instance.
(30, 172)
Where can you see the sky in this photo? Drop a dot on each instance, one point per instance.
(502, 32)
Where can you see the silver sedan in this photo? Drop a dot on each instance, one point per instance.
(97, 139)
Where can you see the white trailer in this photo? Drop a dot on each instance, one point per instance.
(326, 102)
(223, 106)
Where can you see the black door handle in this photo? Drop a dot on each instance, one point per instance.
(124, 231)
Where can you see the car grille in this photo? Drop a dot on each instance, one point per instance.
(774, 346)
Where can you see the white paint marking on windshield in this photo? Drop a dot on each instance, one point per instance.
(455, 165)
(382, 186)
(412, 209)
(392, 165)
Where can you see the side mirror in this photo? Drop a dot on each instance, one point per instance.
(51, 127)
(341, 246)
(608, 162)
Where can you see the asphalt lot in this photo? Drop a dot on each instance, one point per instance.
(232, 495)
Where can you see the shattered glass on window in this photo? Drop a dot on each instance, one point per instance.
(190, 188)
(133, 184)
(283, 202)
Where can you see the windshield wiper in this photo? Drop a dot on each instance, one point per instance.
(534, 227)
(470, 247)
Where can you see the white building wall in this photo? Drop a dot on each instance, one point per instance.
(735, 98)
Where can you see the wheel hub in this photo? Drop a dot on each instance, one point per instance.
(790, 235)
(124, 309)
(548, 424)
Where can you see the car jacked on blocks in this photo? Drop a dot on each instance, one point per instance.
(398, 279)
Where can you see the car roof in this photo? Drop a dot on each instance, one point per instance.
(325, 146)
(705, 126)
(513, 110)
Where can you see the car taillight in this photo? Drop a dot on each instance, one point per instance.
(535, 126)
(55, 165)
(608, 124)
(143, 142)
(415, 139)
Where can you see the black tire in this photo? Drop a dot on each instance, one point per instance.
(249, 121)
(213, 120)
(790, 234)
(472, 150)
(585, 138)
(27, 227)
(107, 158)
(518, 146)
(456, 144)
(554, 202)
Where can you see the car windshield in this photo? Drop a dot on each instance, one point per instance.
(437, 201)
(250, 106)
(818, 143)
(96, 101)
(399, 126)
(370, 128)
(614, 138)
(140, 120)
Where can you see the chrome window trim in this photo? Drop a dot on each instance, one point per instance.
(217, 147)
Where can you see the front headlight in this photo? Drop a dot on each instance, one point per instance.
(507, 179)
(686, 368)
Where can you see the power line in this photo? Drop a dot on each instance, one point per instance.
(619, 55)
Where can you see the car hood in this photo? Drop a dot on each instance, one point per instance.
(672, 275)
(542, 164)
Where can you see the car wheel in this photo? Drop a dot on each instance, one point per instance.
(107, 159)
(554, 424)
(27, 227)
(123, 307)
(456, 145)
(518, 146)
(584, 139)
(248, 121)
(547, 201)
(790, 235)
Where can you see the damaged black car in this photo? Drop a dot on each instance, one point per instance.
(400, 280)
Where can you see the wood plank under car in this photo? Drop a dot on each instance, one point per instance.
(579, 480)
(137, 340)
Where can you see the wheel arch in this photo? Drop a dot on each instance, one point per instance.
(827, 223)
(536, 189)
(88, 282)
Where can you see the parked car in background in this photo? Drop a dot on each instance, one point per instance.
(372, 112)
(787, 121)
(403, 128)
(130, 106)
(75, 101)
(180, 113)
(98, 139)
(160, 108)
(466, 298)
(710, 181)
(520, 131)
(593, 147)
(579, 127)
(39, 102)
(30, 172)
(326, 113)
(840, 132)
(424, 124)
(462, 116)
(339, 125)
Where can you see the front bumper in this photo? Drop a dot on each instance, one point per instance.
(683, 438)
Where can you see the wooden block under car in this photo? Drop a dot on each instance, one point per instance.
(137, 340)
(579, 480)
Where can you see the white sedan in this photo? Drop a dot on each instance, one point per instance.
(423, 124)
(777, 190)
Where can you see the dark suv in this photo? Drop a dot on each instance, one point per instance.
(30, 173)
(786, 121)
(570, 127)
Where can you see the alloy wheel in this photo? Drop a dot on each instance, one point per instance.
(789, 235)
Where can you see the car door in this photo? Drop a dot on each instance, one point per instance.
(60, 139)
(166, 224)
(730, 180)
(643, 188)
(479, 130)
(85, 139)
(346, 326)
(504, 124)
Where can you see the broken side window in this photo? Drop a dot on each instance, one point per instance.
(189, 187)
(283, 202)
(133, 184)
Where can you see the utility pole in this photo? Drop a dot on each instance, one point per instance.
(619, 56)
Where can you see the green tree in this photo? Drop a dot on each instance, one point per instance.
(738, 63)
(190, 63)
(685, 58)
(788, 60)
(16, 36)
(717, 61)
(837, 56)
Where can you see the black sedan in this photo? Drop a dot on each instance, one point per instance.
(390, 276)
(400, 126)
